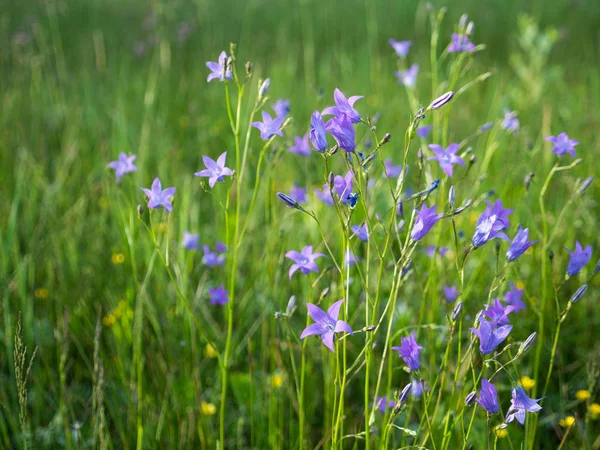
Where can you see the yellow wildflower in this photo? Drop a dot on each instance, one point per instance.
(276, 380)
(595, 410)
(501, 433)
(109, 320)
(567, 422)
(526, 382)
(41, 293)
(582, 394)
(210, 351)
(117, 258)
(520, 284)
(208, 409)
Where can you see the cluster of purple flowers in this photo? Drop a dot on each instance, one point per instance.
(520, 402)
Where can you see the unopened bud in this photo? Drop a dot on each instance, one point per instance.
(289, 201)
(597, 268)
(457, 310)
(386, 138)
(264, 88)
(470, 399)
(333, 150)
(462, 22)
(551, 255)
(470, 28)
(400, 209)
(405, 393)
(452, 196)
(586, 183)
(140, 211)
(324, 293)
(370, 328)
(472, 159)
(420, 157)
(406, 268)
(578, 294)
(291, 305)
(527, 343)
(441, 100)
(331, 179)
(248, 67)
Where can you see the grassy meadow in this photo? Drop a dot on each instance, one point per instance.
(112, 335)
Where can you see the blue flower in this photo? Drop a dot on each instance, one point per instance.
(400, 47)
(408, 77)
(269, 127)
(409, 351)
(318, 135)
(220, 70)
(281, 108)
(343, 106)
(488, 397)
(343, 132)
(520, 404)
(489, 337)
(562, 144)
(190, 241)
(519, 244)
(326, 323)
(491, 223)
(158, 197)
(579, 258)
(426, 219)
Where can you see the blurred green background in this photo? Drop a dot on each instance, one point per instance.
(81, 81)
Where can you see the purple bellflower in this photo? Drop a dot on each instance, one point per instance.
(491, 223)
(343, 132)
(400, 47)
(361, 231)
(269, 127)
(510, 122)
(446, 158)
(382, 403)
(191, 241)
(281, 108)
(324, 195)
(158, 197)
(318, 135)
(343, 106)
(430, 250)
(498, 313)
(123, 165)
(409, 351)
(520, 404)
(519, 245)
(301, 146)
(460, 43)
(298, 194)
(488, 397)
(451, 293)
(304, 260)
(218, 296)
(220, 247)
(423, 131)
(426, 219)
(489, 337)
(326, 323)
(391, 171)
(562, 144)
(417, 388)
(513, 298)
(408, 77)
(215, 170)
(350, 259)
(212, 259)
(343, 187)
(579, 258)
(220, 70)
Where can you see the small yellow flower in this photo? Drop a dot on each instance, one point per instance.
(595, 410)
(41, 293)
(109, 320)
(501, 433)
(276, 381)
(582, 394)
(520, 284)
(210, 351)
(567, 422)
(526, 382)
(208, 409)
(117, 258)
(162, 227)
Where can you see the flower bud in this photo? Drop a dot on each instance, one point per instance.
(400, 209)
(386, 138)
(470, 399)
(578, 294)
(486, 126)
(470, 28)
(406, 268)
(452, 196)
(551, 255)
(586, 183)
(289, 201)
(462, 22)
(264, 88)
(140, 211)
(472, 159)
(248, 67)
(527, 343)
(441, 101)
(420, 157)
(324, 293)
(405, 393)
(370, 328)
(291, 305)
(457, 310)
(597, 268)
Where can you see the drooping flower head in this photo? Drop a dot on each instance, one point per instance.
(579, 258)
(343, 132)
(520, 404)
(491, 223)
(318, 135)
(298, 194)
(324, 195)
(461, 43)
(361, 231)
(519, 245)
(426, 219)
(191, 241)
(301, 146)
(451, 293)
(281, 108)
(218, 296)
(409, 351)
(400, 47)
(326, 323)
(423, 131)
(382, 403)
(490, 337)
(158, 197)
(343, 187)
(220, 70)
(446, 157)
(343, 107)
(510, 122)
(408, 77)
(513, 298)
(488, 397)
(123, 165)
(216, 258)
(417, 388)
(269, 127)
(215, 170)
(392, 171)
(350, 259)
(562, 144)
(498, 313)
(304, 260)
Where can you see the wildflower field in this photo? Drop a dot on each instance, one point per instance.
(269, 224)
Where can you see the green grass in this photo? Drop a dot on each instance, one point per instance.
(122, 348)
